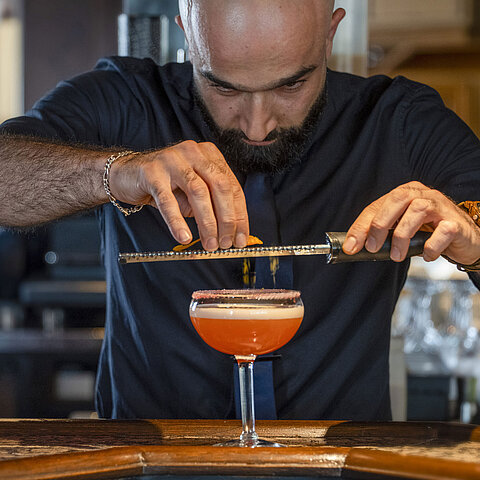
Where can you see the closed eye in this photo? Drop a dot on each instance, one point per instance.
(293, 86)
(223, 90)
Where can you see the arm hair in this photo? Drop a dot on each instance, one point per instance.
(42, 180)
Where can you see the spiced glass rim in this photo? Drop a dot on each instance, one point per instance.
(275, 296)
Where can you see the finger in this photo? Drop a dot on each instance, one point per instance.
(231, 212)
(442, 237)
(357, 233)
(243, 230)
(198, 195)
(222, 198)
(182, 200)
(394, 206)
(222, 184)
(420, 212)
(167, 205)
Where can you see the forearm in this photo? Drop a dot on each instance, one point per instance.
(42, 181)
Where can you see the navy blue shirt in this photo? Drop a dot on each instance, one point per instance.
(374, 135)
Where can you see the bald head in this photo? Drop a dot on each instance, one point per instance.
(257, 31)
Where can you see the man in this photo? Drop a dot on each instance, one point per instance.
(255, 112)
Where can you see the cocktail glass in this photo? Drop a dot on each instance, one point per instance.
(246, 323)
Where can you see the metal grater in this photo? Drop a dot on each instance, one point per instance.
(282, 251)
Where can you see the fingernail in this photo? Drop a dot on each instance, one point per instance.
(349, 245)
(184, 236)
(226, 242)
(371, 244)
(212, 243)
(395, 254)
(240, 240)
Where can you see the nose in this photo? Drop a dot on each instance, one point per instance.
(257, 119)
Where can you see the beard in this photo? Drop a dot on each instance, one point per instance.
(286, 151)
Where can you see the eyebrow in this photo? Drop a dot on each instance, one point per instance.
(278, 83)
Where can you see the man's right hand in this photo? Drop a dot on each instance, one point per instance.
(184, 180)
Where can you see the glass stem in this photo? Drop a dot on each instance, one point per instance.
(245, 374)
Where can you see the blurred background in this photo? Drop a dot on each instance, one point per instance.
(52, 289)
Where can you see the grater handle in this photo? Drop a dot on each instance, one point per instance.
(337, 255)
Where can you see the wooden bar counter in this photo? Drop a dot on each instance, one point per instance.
(97, 449)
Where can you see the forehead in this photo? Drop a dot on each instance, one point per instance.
(251, 42)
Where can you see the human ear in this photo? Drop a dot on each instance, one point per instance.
(337, 17)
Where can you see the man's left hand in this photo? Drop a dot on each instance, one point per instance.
(407, 209)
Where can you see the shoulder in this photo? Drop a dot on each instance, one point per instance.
(126, 77)
(380, 90)
(145, 72)
(129, 81)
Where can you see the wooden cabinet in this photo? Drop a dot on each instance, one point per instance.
(432, 42)
(414, 14)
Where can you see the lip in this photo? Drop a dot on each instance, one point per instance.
(259, 144)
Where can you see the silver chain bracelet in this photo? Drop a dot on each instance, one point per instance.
(106, 185)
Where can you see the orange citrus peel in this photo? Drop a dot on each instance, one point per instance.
(251, 241)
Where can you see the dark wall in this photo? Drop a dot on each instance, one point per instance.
(64, 38)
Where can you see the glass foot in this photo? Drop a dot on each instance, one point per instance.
(249, 444)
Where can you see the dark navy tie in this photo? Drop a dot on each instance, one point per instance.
(271, 272)
(266, 272)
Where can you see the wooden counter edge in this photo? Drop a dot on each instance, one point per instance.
(306, 461)
(409, 466)
(99, 464)
(137, 460)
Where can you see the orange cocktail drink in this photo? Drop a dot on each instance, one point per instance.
(246, 330)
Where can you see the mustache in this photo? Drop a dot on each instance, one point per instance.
(240, 135)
